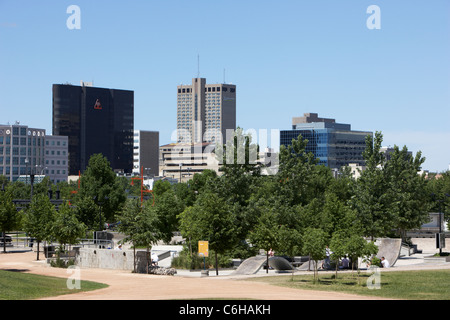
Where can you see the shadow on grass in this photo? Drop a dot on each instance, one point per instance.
(16, 270)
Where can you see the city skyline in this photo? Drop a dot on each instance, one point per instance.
(287, 58)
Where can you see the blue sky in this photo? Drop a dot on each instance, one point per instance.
(286, 58)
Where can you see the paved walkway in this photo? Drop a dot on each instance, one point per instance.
(124, 285)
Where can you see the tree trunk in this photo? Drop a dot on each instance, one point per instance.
(148, 259)
(37, 254)
(337, 263)
(267, 262)
(217, 264)
(293, 261)
(134, 258)
(316, 272)
(4, 242)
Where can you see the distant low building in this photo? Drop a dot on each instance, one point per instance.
(181, 161)
(387, 152)
(356, 170)
(335, 145)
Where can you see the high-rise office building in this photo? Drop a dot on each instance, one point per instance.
(96, 120)
(56, 158)
(28, 151)
(21, 151)
(146, 152)
(205, 111)
(334, 144)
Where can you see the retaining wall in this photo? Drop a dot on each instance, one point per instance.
(110, 259)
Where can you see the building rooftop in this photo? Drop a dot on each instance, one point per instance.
(312, 121)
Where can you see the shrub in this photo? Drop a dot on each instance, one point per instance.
(186, 261)
(62, 263)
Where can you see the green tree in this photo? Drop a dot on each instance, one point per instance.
(39, 218)
(167, 208)
(66, 228)
(313, 215)
(356, 247)
(343, 185)
(99, 183)
(371, 197)
(295, 172)
(240, 173)
(88, 212)
(314, 243)
(18, 190)
(10, 219)
(407, 189)
(338, 247)
(160, 187)
(203, 180)
(139, 223)
(438, 191)
(289, 242)
(265, 234)
(337, 215)
(210, 219)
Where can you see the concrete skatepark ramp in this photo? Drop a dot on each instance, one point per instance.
(389, 248)
(254, 264)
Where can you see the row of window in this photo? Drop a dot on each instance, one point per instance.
(21, 161)
(22, 171)
(58, 162)
(207, 89)
(57, 143)
(57, 152)
(22, 141)
(15, 151)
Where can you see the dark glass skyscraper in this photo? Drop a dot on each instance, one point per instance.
(96, 120)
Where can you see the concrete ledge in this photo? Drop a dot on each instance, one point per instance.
(105, 259)
(436, 259)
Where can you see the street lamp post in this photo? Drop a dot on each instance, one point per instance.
(26, 171)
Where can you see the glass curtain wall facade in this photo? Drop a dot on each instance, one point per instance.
(333, 148)
(96, 120)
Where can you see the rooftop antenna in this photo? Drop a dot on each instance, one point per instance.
(224, 76)
(198, 66)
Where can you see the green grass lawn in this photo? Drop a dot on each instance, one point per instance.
(25, 286)
(414, 285)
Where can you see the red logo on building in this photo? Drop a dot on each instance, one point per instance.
(98, 105)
